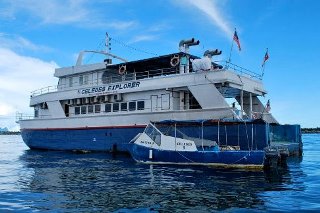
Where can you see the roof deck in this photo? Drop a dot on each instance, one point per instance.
(136, 70)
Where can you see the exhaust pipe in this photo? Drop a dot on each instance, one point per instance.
(188, 42)
(211, 53)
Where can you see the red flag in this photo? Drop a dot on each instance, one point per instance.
(266, 57)
(268, 107)
(236, 39)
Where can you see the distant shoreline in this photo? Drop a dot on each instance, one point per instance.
(310, 130)
(303, 130)
(10, 133)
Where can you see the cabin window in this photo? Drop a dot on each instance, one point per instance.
(36, 113)
(83, 109)
(97, 108)
(70, 82)
(90, 109)
(115, 107)
(124, 106)
(81, 80)
(132, 106)
(77, 110)
(85, 79)
(140, 105)
(107, 108)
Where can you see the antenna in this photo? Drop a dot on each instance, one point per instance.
(108, 49)
(108, 43)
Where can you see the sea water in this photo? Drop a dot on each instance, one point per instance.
(56, 181)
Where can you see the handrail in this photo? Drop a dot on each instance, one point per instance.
(44, 90)
(241, 70)
(142, 75)
(110, 79)
(22, 116)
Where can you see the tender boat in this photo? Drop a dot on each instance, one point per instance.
(171, 146)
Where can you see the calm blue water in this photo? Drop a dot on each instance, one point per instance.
(99, 182)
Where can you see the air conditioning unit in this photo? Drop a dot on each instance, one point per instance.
(96, 99)
(92, 100)
(73, 102)
(85, 100)
(118, 97)
(106, 98)
(78, 101)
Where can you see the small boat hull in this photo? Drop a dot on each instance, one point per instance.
(228, 158)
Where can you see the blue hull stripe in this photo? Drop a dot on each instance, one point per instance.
(94, 139)
(232, 158)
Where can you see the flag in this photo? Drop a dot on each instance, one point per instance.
(266, 57)
(236, 39)
(268, 107)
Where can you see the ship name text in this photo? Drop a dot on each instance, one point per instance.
(110, 88)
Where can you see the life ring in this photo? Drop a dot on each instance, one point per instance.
(122, 69)
(174, 61)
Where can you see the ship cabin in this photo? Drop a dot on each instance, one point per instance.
(167, 83)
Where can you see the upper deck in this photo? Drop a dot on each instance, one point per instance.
(89, 75)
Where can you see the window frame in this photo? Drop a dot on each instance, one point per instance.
(139, 107)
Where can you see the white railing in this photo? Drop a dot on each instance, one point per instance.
(44, 90)
(109, 80)
(240, 70)
(142, 75)
(21, 116)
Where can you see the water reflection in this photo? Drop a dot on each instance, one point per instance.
(103, 182)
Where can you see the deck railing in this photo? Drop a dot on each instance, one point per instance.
(141, 75)
(44, 90)
(109, 80)
(22, 116)
(240, 70)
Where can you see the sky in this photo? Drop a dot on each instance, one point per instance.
(38, 36)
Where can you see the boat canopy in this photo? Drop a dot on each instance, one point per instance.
(206, 121)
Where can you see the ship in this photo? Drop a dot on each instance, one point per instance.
(103, 106)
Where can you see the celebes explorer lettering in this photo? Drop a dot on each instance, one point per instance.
(114, 87)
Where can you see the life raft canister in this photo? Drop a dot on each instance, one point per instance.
(122, 69)
(174, 61)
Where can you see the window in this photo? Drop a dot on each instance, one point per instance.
(70, 82)
(107, 108)
(97, 108)
(83, 109)
(115, 107)
(85, 79)
(132, 106)
(36, 113)
(90, 109)
(140, 105)
(77, 110)
(124, 106)
(81, 80)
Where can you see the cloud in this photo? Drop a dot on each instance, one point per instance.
(12, 41)
(159, 27)
(80, 13)
(120, 25)
(213, 12)
(140, 38)
(19, 76)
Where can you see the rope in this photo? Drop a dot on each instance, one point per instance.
(244, 157)
(245, 123)
(92, 54)
(186, 157)
(133, 48)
